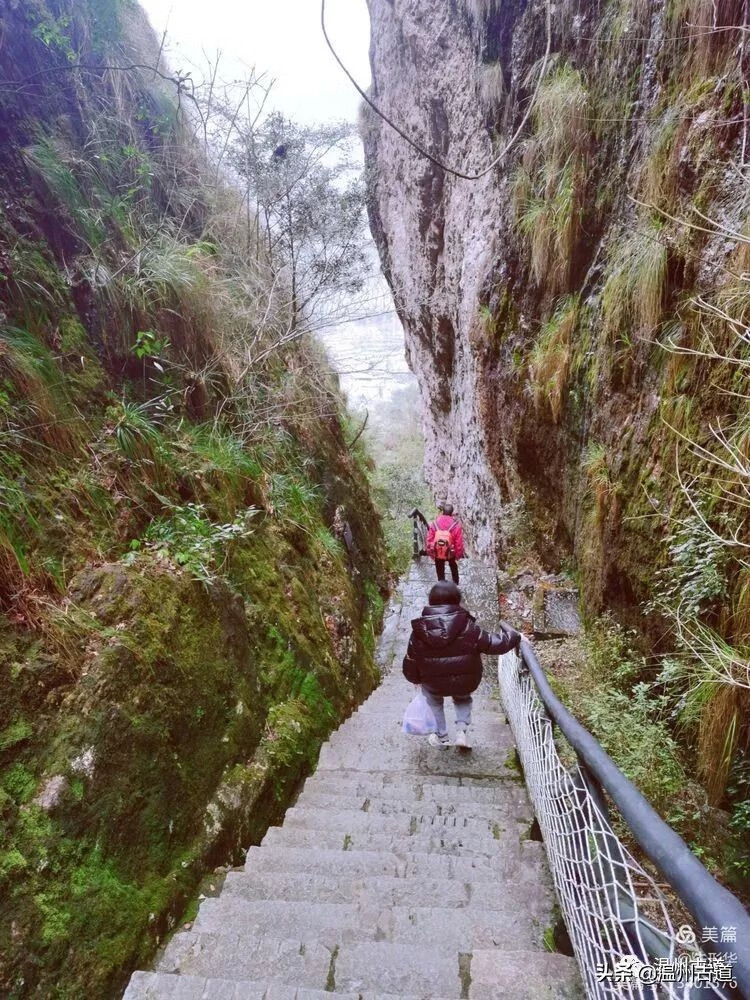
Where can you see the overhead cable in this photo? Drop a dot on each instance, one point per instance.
(412, 142)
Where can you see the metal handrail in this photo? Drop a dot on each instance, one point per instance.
(418, 532)
(710, 904)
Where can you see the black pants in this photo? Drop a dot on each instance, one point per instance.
(440, 568)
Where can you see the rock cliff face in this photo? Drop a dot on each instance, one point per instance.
(540, 301)
(436, 238)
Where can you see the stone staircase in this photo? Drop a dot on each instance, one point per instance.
(401, 871)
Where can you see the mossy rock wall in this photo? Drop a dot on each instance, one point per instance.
(160, 734)
(181, 621)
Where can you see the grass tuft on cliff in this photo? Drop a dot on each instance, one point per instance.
(549, 365)
(634, 294)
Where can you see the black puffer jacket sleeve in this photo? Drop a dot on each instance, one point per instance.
(499, 642)
(411, 666)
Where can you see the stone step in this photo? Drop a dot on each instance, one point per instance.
(387, 700)
(381, 728)
(485, 975)
(404, 824)
(414, 756)
(526, 866)
(366, 970)
(385, 968)
(395, 691)
(395, 688)
(168, 986)
(512, 808)
(384, 890)
(379, 784)
(468, 846)
(394, 699)
(389, 721)
(235, 957)
(402, 872)
(391, 697)
(356, 967)
(337, 923)
(524, 976)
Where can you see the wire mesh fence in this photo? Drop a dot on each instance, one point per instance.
(624, 936)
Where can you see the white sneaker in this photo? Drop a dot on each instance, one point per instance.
(439, 742)
(462, 740)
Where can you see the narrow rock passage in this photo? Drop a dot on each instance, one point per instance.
(402, 870)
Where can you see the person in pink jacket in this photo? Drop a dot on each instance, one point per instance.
(445, 542)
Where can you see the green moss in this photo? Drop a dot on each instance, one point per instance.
(178, 682)
(19, 783)
(11, 863)
(18, 732)
(374, 615)
(548, 939)
(513, 763)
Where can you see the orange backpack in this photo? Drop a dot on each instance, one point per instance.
(444, 542)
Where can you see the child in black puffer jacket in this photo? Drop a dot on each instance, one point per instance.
(444, 656)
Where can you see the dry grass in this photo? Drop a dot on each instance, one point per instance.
(635, 291)
(491, 85)
(550, 358)
(682, 410)
(25, 366)
(537, 224)
(740, 617)
(560, 115)
(550, 183)
(600, 484)
(705, 23)
(660, 177)
(550, 219)
(12, 572)
(718, 736)
(734, 295)
(522, 191)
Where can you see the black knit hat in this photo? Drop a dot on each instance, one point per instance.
(444, 592)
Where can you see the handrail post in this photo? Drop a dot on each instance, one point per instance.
(418, 524)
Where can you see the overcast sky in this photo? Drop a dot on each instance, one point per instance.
(280, 37)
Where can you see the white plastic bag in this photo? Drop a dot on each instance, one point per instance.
(419, 719)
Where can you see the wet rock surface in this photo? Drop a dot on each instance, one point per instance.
(545, 607)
